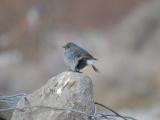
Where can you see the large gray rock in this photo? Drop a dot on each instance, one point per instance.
(66, 90)
(8, 102)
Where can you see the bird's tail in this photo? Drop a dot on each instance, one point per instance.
(95, 69)
(90, 62)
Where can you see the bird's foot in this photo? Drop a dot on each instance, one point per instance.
(77, 71)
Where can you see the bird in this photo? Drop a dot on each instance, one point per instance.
(77, 58)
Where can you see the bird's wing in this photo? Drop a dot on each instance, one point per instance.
(86, 57)
(81, 53)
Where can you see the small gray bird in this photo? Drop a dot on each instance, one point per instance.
(77, 58)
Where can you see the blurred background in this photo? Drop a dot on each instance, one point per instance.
(122, 34)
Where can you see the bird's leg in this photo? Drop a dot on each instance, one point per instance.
(75, 70)
(78, 70)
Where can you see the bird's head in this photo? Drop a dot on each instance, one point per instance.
(69, 45)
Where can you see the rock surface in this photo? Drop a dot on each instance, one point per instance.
(8, 102)
(66, 90)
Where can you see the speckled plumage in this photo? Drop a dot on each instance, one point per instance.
(77, 58)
